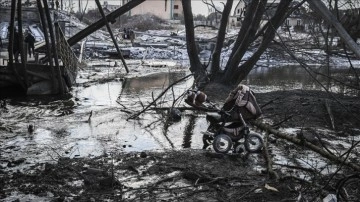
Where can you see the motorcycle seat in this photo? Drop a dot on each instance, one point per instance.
(213, 117)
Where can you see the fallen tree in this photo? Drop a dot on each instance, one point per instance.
(301, 142)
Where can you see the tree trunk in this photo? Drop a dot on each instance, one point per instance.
(195, 65)
(215, 63)
(248, 19)
(273, 25)
(247, 36)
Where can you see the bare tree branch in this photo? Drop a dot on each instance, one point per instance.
(161, 94)
(212, 5)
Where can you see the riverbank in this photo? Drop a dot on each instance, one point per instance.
(201, 175)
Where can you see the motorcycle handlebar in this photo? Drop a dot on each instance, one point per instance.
(223, 112)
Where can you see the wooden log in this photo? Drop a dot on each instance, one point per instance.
(111, 34)
(100, 23)
(325, 154)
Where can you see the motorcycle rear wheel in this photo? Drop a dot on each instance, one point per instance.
(253, 143)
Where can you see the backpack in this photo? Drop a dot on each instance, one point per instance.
(242, 100)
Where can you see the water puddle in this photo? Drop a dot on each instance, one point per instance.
(63, 128)
(99, 95)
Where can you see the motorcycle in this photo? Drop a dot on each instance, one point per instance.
(224, 132)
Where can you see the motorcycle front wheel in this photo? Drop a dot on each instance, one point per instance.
(222, 143)
(253, 143)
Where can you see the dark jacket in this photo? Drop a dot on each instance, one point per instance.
(30, 39)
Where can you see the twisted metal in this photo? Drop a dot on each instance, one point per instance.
(67, 56)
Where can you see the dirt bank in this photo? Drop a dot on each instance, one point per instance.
(168, 176)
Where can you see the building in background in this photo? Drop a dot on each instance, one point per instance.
(295, 20)
(165, 9)
(108, 8)
(239, 13)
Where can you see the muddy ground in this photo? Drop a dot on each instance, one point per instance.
(302, 108)
(196, 175)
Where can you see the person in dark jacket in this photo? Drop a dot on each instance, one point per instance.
(30, 40)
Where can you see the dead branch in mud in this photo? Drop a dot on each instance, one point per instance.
(193, 192)
(89, 119)
(323, 144)
(201, 183)
(283, 121)
(183, 109)
(296, 167)
(297, 141)
(297, 179)
(159, 96)
(153, 123)
(328, 109)
(247, 193)
(126, 110)
(268, 160)
(270, 102)
(347, 155)
(188, 191)
(165, 179)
